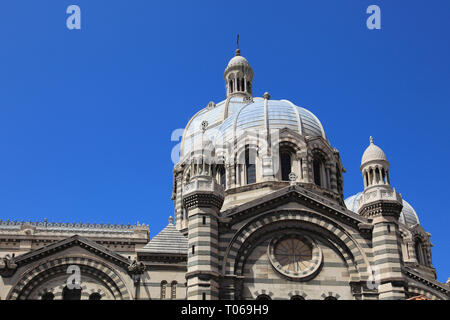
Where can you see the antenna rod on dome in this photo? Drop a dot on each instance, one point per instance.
(238, 51)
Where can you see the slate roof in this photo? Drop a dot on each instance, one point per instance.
(168, 241)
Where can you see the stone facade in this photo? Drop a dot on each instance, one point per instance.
(259, 214)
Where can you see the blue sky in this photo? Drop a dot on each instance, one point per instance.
(86, 115)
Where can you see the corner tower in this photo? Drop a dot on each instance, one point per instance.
(203, 198)
(382, 205)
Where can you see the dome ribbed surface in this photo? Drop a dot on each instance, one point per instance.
(249, 116)
(238, 60)
(373, 152)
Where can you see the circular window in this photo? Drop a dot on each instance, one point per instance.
(295, 256)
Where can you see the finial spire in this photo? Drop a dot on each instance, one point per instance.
(371, 140)
(170, 220)
(238, 51)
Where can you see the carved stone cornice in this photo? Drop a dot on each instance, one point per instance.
(384, 208)
(202, 191)
(202, 200)
(441, 287)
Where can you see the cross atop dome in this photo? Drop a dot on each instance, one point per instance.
(238, 75)
(238, 51)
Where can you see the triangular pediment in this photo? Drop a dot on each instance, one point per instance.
(293, 197)
(76, 240)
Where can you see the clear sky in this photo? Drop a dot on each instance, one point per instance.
(86, 115)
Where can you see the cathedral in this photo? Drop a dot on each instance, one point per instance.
(259, 213)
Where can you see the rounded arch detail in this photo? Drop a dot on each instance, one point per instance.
(35, 276)
(350, 250)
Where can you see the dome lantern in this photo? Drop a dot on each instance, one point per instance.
(238, 76)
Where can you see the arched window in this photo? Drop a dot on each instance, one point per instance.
(71, 294)
(222, 176)
(421, 254)
(263, 297)
(95, 296)
(250, 165)
(330, 298)
(286, 165)
(378, 175)
(297, 297)
(163, 289)
(173, 290)
(231, 86)
(48, 296)
(249, 87)
(317, 168)
(383, 176)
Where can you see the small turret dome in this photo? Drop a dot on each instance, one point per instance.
(373, 153)
(238, 76)
(238, 61)
(408, 216)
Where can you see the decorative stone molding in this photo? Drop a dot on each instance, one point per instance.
(263, 292)
(36, 275)
(303, 274)
(7, 266)
(41, 226)
(379, 195)
(330, 294)
(297, 293)
(203, 191)
(136, 267)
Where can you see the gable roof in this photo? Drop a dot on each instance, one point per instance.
(75, 240)
(293, 193)
(168, 241)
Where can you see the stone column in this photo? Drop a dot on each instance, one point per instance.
(333, 179)
(179, 201)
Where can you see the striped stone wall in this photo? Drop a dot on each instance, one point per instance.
(202, 254)
(351, 245)
(260, 276)
(387, 261)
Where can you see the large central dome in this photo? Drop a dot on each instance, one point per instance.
(240, 111)
(246, 143)
(248, 115)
